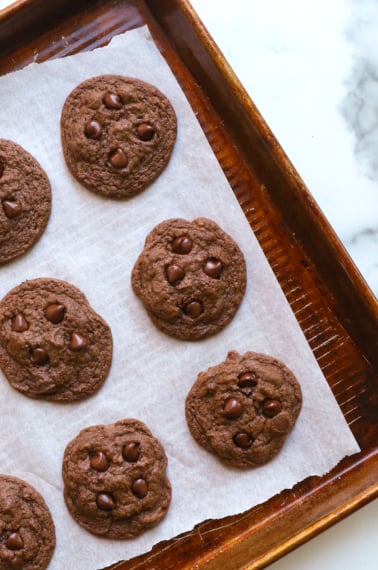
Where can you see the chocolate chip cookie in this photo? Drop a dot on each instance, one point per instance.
(53, 345)
(27, 533)
(115, 482)
(117, 134)
(191, 278)
(243, 409)
(25, 200)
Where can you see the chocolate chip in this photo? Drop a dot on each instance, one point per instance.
(1, 169)
(232, 409)
(145, 132)
(93, 130)
(55, 313)
(14, 541)
(174, 273)
(19, 323)
(118, 159)
(112, 101)
(11, 208)
(280, 424)
(105, 502)
(247, 380)
(39, 356)
(77, 341)
(131, 451)
(193, 309)
(182, 244)
(243, 440)
(213, 268)
(99, 461)
(139, 488)
(271, 408)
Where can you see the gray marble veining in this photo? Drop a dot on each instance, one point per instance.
(360, 110)
(312, 69)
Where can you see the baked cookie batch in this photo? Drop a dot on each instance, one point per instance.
(25, 200)
(242, 409)
(117, 134)
(53, 346)
(191, 278)
(115, 482)
(117, 137)
(27, 537)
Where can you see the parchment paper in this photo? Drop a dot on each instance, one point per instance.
(93, 243)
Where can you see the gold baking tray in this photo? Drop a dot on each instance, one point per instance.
(333, 305)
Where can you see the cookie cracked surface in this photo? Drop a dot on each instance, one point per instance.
(243, 409)
(53, 345)
(115, 482)
(117, 134)
(25, 200)
(27, 533)
(191, 278)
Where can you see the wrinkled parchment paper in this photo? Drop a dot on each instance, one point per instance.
(93, 243)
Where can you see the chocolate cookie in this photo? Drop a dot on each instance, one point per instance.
(53, 345)
(27, 533)
(191, 278)
(117, 134)
(25, 200)
(243, 409)
(115, 482)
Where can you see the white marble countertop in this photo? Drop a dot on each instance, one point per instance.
(312, 70)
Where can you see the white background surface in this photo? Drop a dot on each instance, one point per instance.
(311, 68)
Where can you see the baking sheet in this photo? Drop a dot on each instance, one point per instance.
(93, 243)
